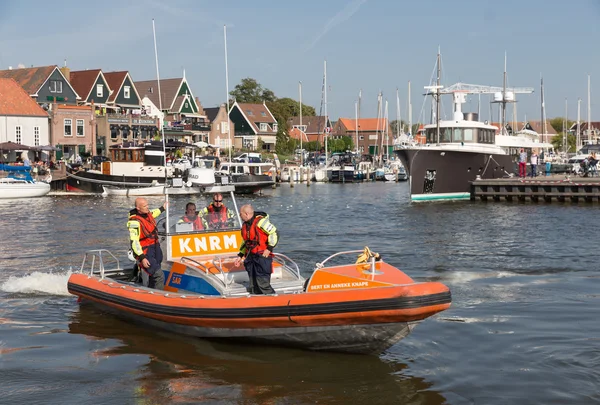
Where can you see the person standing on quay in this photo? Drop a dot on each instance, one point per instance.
(260, 237)
(522, 164)
(534, 162)
(143, 237)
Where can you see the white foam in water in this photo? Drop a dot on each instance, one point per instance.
(47, 283)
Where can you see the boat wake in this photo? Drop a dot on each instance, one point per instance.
(38, 283)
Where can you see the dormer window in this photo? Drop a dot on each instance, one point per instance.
(263, 126)
(126, 91)
(99, 90)
(55, 86)
(275, 127)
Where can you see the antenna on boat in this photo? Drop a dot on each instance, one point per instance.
(162, 127)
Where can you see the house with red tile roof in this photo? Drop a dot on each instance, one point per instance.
(254, 125)
(370, 133)
(92, 87)
(45, 84)
(22, 120)
(312, 129)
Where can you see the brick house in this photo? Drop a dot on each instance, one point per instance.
(370, 133)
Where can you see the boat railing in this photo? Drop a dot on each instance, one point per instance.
(287, 263)
(322, 264)
(206, 270)
(96, 267)
(369, 258)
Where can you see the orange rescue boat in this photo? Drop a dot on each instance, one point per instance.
(346, 305)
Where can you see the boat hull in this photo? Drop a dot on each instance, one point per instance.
(346, 321)
(444, 174)
(92, 182)
(23, 190)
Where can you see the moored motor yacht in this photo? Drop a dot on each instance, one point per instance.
(133, 166)
(348, 304)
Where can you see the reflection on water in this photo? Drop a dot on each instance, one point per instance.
(181, 369)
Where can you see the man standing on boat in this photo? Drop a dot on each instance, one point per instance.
(217, 215)
(143, 237)
(260, 237)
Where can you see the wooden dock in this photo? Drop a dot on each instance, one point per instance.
(559, 188)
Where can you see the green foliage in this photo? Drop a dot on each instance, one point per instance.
(557, 142)
(250, 91)
(558, 122)
(292, 108)
(394, 126)
(340, 145)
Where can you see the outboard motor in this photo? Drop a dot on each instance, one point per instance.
(201, 176)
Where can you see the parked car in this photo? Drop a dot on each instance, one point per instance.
(99, 159)
(182, 164)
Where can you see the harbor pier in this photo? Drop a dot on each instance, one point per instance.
(543, 189)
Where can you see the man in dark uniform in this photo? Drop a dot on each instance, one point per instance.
(143, 237)
(260, 237)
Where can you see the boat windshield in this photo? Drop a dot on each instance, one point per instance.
(209, 216)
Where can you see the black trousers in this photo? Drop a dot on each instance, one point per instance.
(259, 273)
(153, 276)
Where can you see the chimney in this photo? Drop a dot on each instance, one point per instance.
(66, 72)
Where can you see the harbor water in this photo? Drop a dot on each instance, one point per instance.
(522, 329)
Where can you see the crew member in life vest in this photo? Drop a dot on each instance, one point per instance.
(218, 216)
(191, 216)
(143, 236)
(260, 237)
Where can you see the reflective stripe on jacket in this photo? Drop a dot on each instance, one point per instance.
(258, 234)
(142, 231)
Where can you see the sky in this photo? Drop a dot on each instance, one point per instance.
(369, 45)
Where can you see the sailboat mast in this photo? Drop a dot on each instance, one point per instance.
(409, 111)
(578, 141)
(387, 132)
(356, 124)
(325, 101)
(589, 111)
(437, 97)
(503, 118)
(301, 127)
(565, 127)
(227, 91)
(398, 116)
(542, 119)
(162, 124)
